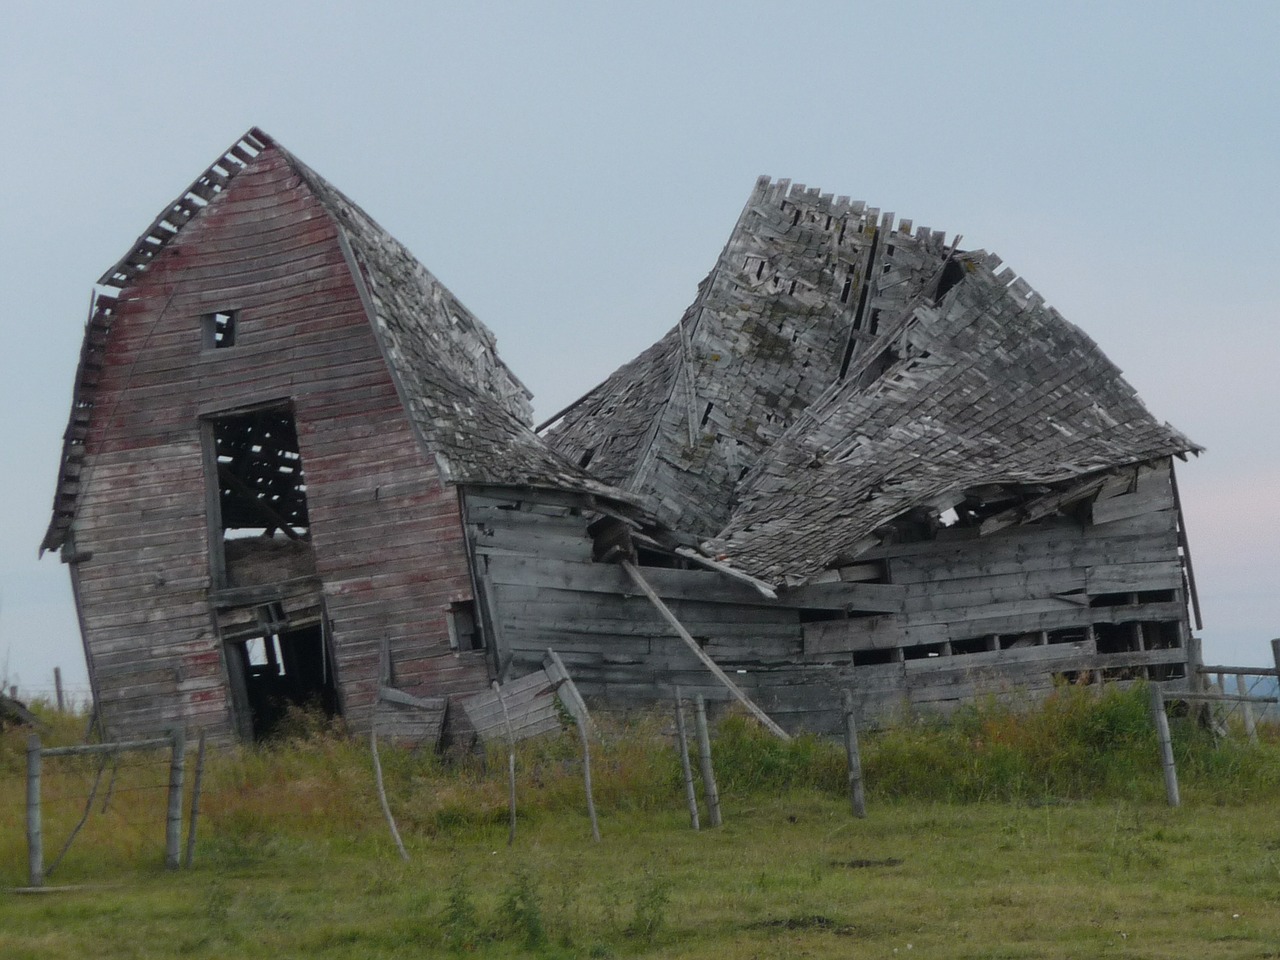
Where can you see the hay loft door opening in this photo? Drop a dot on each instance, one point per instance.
(284, 668)
(259, 529)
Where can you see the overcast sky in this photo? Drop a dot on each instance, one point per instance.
(571, 172)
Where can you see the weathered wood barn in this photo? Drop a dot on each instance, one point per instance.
(297, 471)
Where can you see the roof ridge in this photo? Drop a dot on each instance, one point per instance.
(186, 207)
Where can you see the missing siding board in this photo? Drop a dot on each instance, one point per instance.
(464, 634)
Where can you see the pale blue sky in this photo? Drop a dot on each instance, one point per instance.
(571, 171)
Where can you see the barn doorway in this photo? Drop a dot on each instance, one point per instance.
(284, 669)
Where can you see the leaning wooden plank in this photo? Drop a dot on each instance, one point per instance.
(697, 651)
(764, 588)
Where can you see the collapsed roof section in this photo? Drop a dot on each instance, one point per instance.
(800, 288)
(469, 410)
(837, 372)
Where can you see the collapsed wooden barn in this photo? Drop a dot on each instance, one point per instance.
(297, 471)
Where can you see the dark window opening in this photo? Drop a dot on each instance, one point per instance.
(923, 651)
(1115, 637)
(1069, 635)
(820, 616)
(1017, 641)
(262, 524)
(706, 414)
(867, 658)
(1162, 634)
(288, 669)
(464, 631)
(1168, 671)
(646, 557)
(585, 459)
(220, 329)
(1111, 600)
(973, 645)
(1155, 596)
(952, 273)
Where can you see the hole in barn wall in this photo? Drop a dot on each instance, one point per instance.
(259, 521)
(464, 633)
(219, 329)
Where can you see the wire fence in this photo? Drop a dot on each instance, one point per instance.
(1248, 714)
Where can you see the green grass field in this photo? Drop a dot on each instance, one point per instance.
(998, 835)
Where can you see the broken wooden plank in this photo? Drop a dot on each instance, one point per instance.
(692, 644)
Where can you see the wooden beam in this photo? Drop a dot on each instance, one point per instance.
(764, 588)
(697, 650)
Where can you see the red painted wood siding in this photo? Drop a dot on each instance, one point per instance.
(390, 562)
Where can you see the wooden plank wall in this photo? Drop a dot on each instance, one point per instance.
(387, 536)
(1004, 614)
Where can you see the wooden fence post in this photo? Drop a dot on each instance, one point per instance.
(35, 843)
(382, 792)
(190, 853)
(57, 688)
(709, 788)
(511, 763)
(1250, 724)
(682, 742)
(173, 821)
(1161, 720)
(857, 798)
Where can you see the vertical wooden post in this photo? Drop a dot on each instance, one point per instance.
(57, 688)
(35, 842)
(1275, 655)
(190, 853)
(13, 691)
(173, 821)
(709, 788)
(682, 742)
(1250, 725)
(511, 764)
(857, 797)
(586, 777)
(1161, 720)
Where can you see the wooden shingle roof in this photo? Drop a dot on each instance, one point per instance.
(838, 370)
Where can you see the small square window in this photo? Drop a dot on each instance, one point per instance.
(220, 329)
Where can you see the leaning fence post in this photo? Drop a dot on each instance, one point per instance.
(709, 788)
(382, 792)
(57, 688)
(190, 853)
(857, 798)
(35, 844)
(682, 741)
(173, 822)
(1161, 720)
